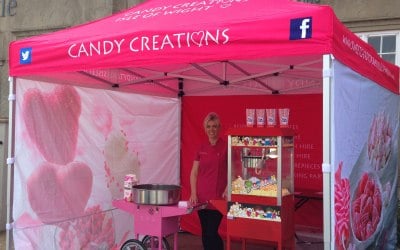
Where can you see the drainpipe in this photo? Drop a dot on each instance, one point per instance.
(3, 8)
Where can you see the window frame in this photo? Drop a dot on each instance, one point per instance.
(364, 36)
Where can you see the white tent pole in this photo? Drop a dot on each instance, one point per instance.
(10, 160)
(326, 161)
(179, 133)
(192, 78)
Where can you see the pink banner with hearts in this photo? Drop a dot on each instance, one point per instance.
(74, 147)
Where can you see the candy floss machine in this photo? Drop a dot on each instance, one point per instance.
(156, 209)
(156, 194)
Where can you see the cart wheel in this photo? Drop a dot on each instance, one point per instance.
(147, 242)
(133, 244)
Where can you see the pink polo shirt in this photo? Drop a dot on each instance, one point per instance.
(213, 170)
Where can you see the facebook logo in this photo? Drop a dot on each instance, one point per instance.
(300, 28)
(25, 55)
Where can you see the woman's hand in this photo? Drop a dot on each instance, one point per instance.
(225, 193)
(193, 199)
(193, 183)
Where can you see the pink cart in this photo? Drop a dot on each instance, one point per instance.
(154, 220)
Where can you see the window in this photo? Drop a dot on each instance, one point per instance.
(386, 44)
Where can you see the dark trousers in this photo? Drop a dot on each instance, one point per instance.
(210, 220)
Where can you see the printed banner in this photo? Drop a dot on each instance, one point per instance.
(305, 119)
(73, 148)
(365, 150)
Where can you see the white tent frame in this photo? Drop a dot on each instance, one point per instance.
(328, 217)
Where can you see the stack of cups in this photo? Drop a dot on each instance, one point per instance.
(262, 117)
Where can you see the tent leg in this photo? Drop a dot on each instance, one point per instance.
(10, 160)
(326, 166)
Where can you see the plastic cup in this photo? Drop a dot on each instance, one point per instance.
(250, 115)
(271, 117)
(260, 113)
(284, 117)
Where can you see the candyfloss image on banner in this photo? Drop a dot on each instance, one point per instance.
(67, 188)
(365, 127)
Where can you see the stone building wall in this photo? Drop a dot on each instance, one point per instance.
(367, 15)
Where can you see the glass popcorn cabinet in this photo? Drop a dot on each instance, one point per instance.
(261, 185)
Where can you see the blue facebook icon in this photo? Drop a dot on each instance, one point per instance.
(300, 28)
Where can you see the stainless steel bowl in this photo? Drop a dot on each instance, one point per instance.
(156, 194)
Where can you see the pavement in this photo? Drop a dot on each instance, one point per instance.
(304, 241)
(188, 241)
(2, 240)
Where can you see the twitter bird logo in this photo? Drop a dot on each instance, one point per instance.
(25, 55)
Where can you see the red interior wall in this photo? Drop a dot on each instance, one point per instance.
(305, 119)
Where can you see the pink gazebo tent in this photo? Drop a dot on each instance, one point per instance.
(176, 49)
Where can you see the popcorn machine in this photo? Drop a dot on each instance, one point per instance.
(261, 190)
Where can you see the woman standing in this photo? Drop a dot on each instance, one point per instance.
(208, 180)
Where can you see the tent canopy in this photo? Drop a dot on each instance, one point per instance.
(213, 47)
